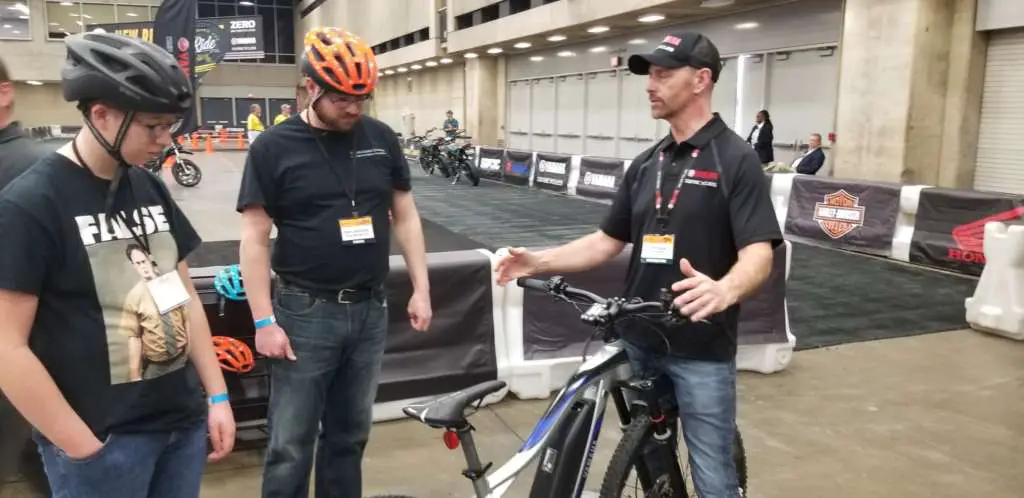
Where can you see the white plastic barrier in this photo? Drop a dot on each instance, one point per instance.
(782, 185)
(997, 306)
(910, 197)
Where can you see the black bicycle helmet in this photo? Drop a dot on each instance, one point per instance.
(128, 73)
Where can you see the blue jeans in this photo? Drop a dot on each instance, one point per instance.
(142, 465)
(706, 394)
(333, 384)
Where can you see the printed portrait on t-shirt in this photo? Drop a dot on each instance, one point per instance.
(142, 343)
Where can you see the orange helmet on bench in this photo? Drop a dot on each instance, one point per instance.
(233, 355)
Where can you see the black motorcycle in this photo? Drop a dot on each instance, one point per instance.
(429, 152)
(184, 171)
(457, 160)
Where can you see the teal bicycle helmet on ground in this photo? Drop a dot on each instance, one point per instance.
(228, 283)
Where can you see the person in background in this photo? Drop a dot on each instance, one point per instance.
(254, 125)
(286, 112)
(762, 136)
(301, 96)
(17, 153)
(451, 125)
(813, 159)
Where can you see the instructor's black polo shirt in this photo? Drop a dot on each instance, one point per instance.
(724, 205)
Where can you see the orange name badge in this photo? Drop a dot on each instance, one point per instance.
(657, 249)
(356, 230)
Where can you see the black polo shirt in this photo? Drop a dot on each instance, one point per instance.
(306, 179)
(724, 204)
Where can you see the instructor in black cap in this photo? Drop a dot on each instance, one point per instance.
(697, 211)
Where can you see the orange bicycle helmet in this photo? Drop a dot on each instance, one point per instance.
(339, 61)
(233, 355)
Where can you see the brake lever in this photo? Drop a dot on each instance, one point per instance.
(674, 316)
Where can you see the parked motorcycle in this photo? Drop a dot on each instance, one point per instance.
(429, 153)
(458, 160)
(184, 171)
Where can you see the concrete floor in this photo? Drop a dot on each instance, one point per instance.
(935, 416)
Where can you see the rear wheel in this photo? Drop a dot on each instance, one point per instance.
(622, 477)
(472, 172)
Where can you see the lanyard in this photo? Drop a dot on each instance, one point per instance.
(663, 217)
(350, 187)
(110, 198)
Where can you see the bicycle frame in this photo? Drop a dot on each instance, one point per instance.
(596, 378)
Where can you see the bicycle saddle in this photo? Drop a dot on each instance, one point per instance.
(448, 411)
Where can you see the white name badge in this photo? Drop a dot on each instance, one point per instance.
(356, 230)
(168, 292)
(657, 249)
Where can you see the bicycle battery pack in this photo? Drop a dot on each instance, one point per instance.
(560, 462)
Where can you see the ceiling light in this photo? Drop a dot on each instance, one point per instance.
(16, 32)
(566, 53)
(54, 24)
(711, 4)
(471, 55)
(245, 3)
(431, 63)
(650, 18)
(7, 26)
(495, 50)
(19, 7)
(22, 17)
(746, 25)
(556, 38)
(523, 45)
(131, 14)
(597, 29)
(599, 49)
(34, 82)
(389, 72)
(67, 4)
(402, 69)
(446, 61)
(637, 41)
(536, 58)
(417, 66)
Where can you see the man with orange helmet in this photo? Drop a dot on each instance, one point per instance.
(327, 181)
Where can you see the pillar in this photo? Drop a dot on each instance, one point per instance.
(909, 104)
(485, 99)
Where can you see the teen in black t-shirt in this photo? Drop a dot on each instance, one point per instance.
(105, 348)
(697, 210)
(326, 178)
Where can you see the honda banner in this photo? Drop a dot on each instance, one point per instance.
(949, 231)
(859, 215)
(552, 172)
(599, 177)
(518, 164)
(490, 162)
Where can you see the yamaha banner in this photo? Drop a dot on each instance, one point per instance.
(852, 215)
(949, 231)
(518, 164)
(174, 29)
(599, 177)
(490, 162)
(552, 172)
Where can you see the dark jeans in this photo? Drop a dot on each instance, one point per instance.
(333, 383)
(706, 394)
(145, 465)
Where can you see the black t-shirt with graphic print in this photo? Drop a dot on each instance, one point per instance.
(305, 178)
(121, 365)
(724, 205)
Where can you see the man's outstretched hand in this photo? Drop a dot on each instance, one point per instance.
(518, 263)
(701, 295)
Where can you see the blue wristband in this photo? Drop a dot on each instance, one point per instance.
(263, 322)
(218, 398)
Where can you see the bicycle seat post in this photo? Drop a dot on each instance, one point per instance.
(475, 470)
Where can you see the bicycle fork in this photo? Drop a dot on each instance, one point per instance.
(658, 470)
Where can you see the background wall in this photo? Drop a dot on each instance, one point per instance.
(998, 14)
(415, 101)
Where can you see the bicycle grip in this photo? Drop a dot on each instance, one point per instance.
(532, 283)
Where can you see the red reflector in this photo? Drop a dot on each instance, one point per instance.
(451, 440)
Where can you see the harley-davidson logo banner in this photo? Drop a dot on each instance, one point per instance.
(858, 216)
(949, 231)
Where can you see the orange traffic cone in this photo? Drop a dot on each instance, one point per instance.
(209, 144)
(241, 140)
(195, 141)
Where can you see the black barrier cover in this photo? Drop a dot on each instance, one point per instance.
(552, 172)
(949, 231)
(853, 215)
(458, 350)
(518, 164)
(599, 177)
(490, 162)
(760, 319)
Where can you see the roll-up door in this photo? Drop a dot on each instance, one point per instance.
(1000, 160)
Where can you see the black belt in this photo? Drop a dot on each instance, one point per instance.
(350, 296)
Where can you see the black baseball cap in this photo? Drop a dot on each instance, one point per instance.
(680, 49)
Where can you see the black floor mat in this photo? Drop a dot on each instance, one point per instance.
(837, 297)
(436, 237)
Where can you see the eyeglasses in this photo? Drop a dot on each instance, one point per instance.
(345, 100)
(161, 129)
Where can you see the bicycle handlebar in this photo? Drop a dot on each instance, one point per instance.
(609, 308)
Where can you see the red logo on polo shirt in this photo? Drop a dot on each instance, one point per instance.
(701, 177)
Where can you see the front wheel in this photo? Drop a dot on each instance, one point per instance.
(186, 173)
(472, 172)
(628, 459)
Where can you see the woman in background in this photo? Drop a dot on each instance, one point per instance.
(762, 135)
